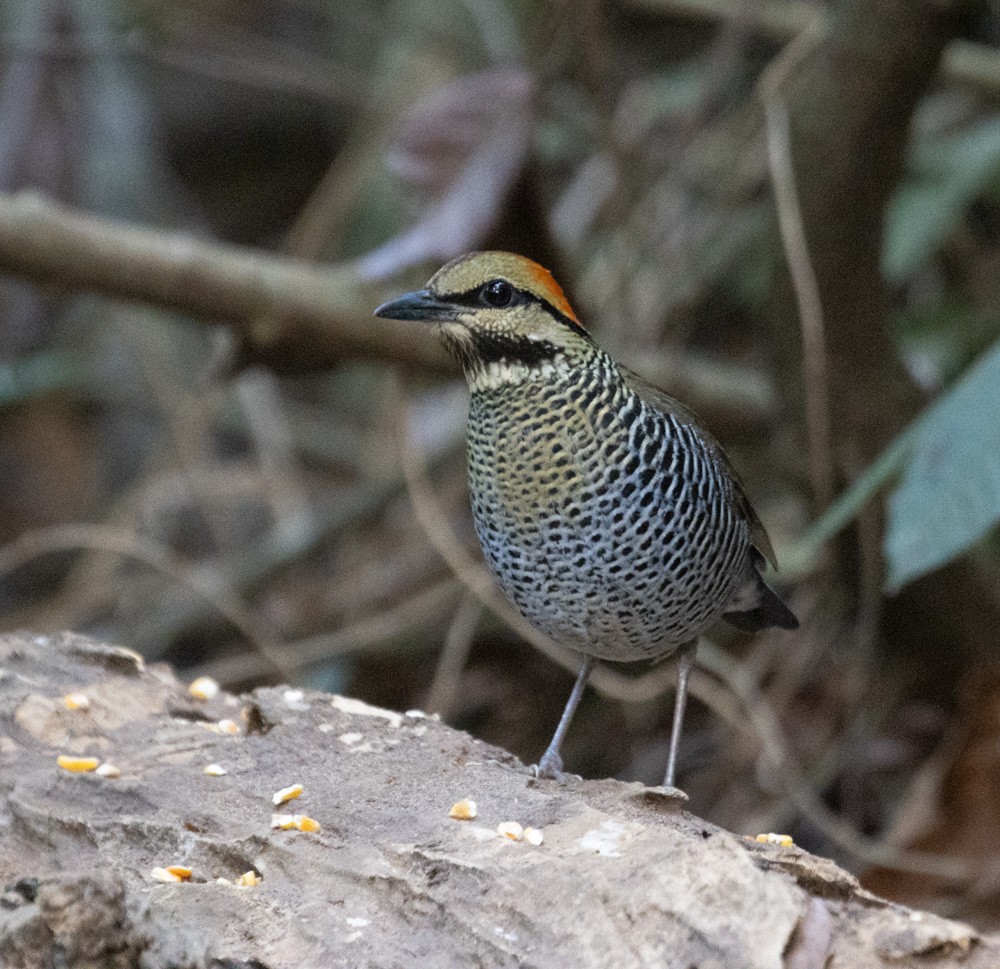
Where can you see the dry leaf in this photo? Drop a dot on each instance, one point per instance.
(462, 148)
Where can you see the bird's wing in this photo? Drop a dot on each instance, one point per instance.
(663, 401)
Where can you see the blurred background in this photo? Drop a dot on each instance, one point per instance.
(785, 213)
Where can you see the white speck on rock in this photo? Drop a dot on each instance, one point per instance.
(480, 832)
(604, 840)
(293, 698)
(349, 705)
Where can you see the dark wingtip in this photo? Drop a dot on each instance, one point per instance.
(771, 611)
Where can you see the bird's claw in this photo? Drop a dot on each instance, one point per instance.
(550, 768)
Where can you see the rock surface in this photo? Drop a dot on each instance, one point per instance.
(624, 877)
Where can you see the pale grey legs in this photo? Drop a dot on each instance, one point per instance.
(551, 763)
(685, 661)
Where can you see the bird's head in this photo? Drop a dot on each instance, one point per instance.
(503, 316)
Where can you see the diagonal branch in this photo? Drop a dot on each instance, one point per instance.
(289, 314)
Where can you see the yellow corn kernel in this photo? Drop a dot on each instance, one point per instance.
(464, 810)
(162, 875)
(286, 794)
(181, 871)
(76, 701)
(215, 770)
(204, 688)
(249, 879)
(781, 840)
(534, 836)
(301, 822)
(510, 829)
(77, 765)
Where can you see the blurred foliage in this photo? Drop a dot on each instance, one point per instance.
(259, 527)
(949, 496)
(948, 172)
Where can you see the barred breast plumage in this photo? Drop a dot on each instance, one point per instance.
(607, 521)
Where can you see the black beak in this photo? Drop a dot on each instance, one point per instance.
(419, 305)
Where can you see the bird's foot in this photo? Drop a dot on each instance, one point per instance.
(550, 768)
(667, 792)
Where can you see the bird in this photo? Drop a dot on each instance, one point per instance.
(609, 516)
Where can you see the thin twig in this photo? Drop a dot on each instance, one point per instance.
(273, 441)
(383, 631)
(804, 281)
(322, 219)
(67, 538)
(185, 401)
(383, 628)
(250, 565)
(963, 62)
(838, 829)
(454, 656)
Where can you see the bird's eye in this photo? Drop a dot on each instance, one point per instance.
(497, 293)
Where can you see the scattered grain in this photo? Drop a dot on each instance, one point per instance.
(286, 794)
(464, 810)
(204, 688)
(77, 765)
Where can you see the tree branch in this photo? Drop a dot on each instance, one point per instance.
(290, 315)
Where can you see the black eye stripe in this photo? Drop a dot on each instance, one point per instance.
(470, 298)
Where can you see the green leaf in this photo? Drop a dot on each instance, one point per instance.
(949, 496)
(946, 175)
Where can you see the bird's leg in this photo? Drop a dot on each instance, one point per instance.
(685, 661)
(551, 763)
